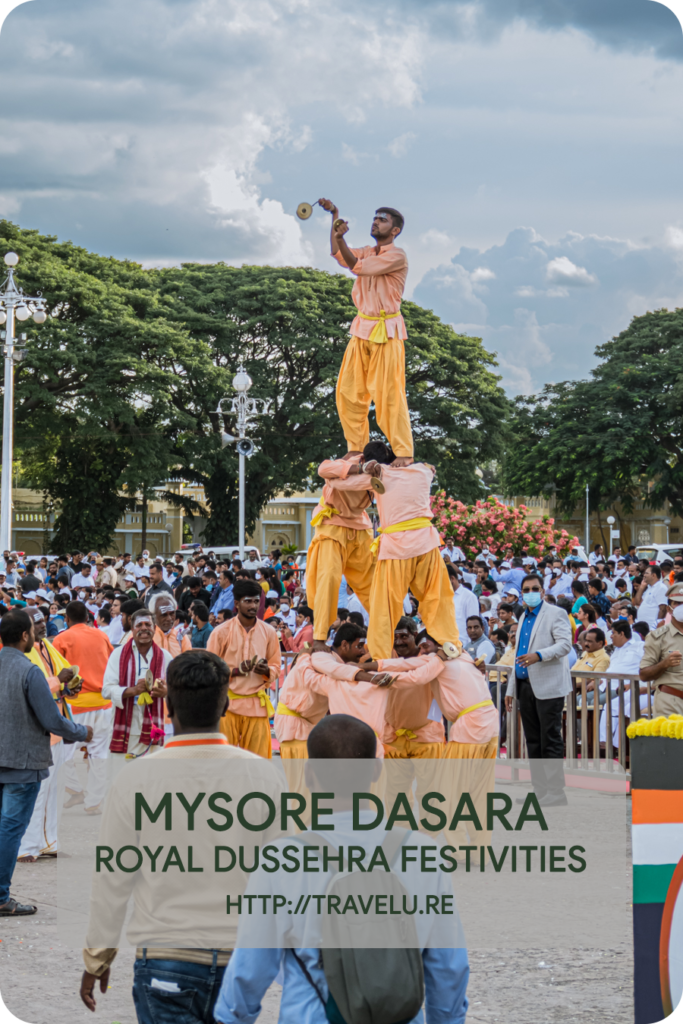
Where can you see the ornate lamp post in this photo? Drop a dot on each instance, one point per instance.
(242, 411)
(14, 305)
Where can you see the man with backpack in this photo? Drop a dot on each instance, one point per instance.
(322, 983)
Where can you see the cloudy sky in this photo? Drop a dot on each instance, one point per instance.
(534, 147)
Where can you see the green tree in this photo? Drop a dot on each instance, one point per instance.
(109, 384)
(289, 327)
(620, 432)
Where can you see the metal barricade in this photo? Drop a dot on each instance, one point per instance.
(581, 719)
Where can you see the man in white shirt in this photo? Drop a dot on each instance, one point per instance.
(628, 651)
(596, 555)
(561, 585)
(452, 553)
(252, 561)
(651, 598)
(287, 614)
(140, 569)
(83, 578)
(464, 602)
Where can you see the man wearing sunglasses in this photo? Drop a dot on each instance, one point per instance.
(541, 682)
(373, 369)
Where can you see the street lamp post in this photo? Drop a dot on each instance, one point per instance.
(14, 305)
(244, 409)
(588, 522)
(667, 523)
(612, 534)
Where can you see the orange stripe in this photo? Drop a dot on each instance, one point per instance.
(198, 743)
(657, 806)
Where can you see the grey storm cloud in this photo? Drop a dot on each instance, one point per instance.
(544, 306)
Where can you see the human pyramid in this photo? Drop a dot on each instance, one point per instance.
(403, 699)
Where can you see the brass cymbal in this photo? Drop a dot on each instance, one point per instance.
(304, 211)
(339, 221)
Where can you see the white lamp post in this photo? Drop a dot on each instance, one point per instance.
(613, 534)
(667, 523)
(245, 410)
(13, 304)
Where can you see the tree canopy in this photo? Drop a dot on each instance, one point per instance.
(620, 432)
(114, 395)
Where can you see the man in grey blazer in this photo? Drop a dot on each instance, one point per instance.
(541, 682)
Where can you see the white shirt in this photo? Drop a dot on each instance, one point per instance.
(115, 631)
(251, 564)
(79, 580)
(111, 690)
(354, 605)
(465, 603)
(288, 617)
(139, 570)
(594, 558)
(648, 610)
(455, 554)
(562, 586)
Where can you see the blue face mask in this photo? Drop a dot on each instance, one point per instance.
(532, 599)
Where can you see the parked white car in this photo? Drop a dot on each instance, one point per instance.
(658, 553)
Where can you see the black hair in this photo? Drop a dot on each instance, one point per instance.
(397, 218)
(405, 623)
(504, 606)
(622, 627)
(642, 628)
(304, 610)
(193, 582)
(13, 625)
(599, 635)
(246, 588)
(131, 605)
(105, 615)
(77, 612)
(197, 688)
(341, 736)
(478, 618)
(378, 451)
(579, 588)
(342, 614)
(355, 619)
(591, 611)
(596, 584)
(656, 570)
(348, 632)
(200, 610)
(532, 576)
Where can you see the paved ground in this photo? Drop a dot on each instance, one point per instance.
(39, 976)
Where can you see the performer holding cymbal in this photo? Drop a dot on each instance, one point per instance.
(373, 369)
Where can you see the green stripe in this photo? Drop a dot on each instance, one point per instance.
(651, 882)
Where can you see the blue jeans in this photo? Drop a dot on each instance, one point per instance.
(16, 807)
(197, 987)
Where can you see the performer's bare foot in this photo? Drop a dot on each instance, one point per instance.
(403, 460)
(320, 645)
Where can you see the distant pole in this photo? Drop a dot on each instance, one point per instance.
(14, 305)
(588, 524)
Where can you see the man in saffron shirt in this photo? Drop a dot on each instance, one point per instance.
(252, 650)
(88, 648)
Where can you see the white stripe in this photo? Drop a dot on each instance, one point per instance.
(657, 844)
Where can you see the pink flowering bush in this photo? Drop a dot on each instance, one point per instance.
(504, 530)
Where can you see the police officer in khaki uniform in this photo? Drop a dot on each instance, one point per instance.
(662, 661)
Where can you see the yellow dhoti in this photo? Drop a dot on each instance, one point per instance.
(427, 578)
(248, 732)
(337, 551)
(374, 372)
(473, 772)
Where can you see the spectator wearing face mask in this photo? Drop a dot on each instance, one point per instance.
(288, 615)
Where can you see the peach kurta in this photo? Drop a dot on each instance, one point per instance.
(380, 280)
(308, 705)
(456, 685)
(351, 504)
(231, 642)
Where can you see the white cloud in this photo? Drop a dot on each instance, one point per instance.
(561, 270)
(401, 144)
(554, 333)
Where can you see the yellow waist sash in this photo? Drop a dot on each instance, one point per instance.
(282, 709)
(408, 524)
(262, 695)
(379, 331)
(482, 704)
(326, 512)
(409, 735)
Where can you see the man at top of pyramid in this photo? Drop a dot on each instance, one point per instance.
(373, 369)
